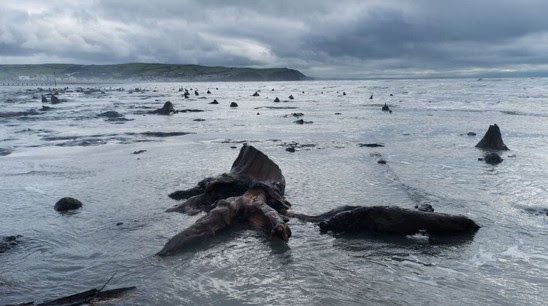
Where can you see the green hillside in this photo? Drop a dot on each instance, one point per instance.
(146, 72)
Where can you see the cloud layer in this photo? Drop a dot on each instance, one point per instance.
(322, 38)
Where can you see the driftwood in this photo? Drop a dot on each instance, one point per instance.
(83, 298)
(86, 297)
(253, 193)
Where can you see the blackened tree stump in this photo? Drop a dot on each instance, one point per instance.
(492, 140)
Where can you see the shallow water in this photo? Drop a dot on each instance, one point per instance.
(70, 151)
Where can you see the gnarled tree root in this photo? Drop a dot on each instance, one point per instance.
(252, 192)
(250, 207)
(251, 167)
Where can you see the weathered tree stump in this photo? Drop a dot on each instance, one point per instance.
(492, 140)
(493, 158)
(253, 193)
(67, 203)
(250, 168)
(55, 100)
(167, 109)
(252, 207)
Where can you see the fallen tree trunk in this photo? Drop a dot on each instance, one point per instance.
(391, 220)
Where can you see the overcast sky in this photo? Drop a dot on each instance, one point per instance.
(321, 38)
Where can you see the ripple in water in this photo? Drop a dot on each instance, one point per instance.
(428, 161)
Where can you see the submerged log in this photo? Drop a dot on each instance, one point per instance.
(18, 114)
(391, 220)
(321, 217)
(91, 296)
(492, 140)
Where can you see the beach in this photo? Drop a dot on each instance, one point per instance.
(122, 168)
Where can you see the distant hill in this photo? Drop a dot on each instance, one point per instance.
(145, 72)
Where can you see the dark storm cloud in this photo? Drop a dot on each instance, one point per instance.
(321, 38)
(439, 35)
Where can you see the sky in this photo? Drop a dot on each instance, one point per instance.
(321, 38)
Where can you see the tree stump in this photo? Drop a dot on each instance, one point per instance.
(67, 203)
(167, 109)
(492, 140)
(253, 193)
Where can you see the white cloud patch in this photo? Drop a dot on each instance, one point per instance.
(347, 38)
(251, 50)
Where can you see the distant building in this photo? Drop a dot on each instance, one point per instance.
(24, 78)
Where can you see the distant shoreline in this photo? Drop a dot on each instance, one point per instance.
(142, 72)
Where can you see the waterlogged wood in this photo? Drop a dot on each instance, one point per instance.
(492, 140)
(84, 298)
(252, 207)
(321, 217)
(250, 167)
(391, 220)
(166, 110)
(253, 193)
